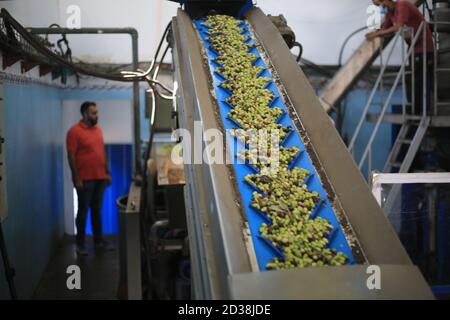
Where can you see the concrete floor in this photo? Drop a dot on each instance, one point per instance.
(99, 273)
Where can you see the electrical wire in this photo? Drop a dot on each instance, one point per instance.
(148, 150)
(145, 75)
(147, 156)
(36, 44)
(126, 76)
(153, 90)
(155, 76)
(300, 51)
(156, 72)
(341, 52)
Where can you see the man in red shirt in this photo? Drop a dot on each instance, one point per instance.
(404, 13)
(90, 173)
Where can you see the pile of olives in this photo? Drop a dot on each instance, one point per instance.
(283, 195)
(268, 156)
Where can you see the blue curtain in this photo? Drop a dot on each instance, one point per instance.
(120, 161)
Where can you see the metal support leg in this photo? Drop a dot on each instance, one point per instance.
(432, 220)
(130, 245)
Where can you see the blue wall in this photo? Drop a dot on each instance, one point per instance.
(34, 150)
(120, 160)
(354, 105)
(34, 159)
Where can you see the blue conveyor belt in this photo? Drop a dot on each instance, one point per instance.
(264, 249)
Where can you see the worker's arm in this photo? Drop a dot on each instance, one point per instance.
(77, 182)
(383, 32)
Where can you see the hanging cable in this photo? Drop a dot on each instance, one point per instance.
(36, 44)
(43, 50)
(300, 51)
(155, 76)
(140, 73)
(344, 44)
(152, 80)
(65, 57)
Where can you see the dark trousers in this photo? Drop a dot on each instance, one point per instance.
(418, 83)
(91, 196)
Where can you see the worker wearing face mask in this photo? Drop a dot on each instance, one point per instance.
(403, 13)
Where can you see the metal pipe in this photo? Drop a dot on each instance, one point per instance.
(435, 71)
(82, 31)
(375, 131)
(403, 82)
(136, 108)
(424, 70)
(439, 22)
(413, 78)
(135, 61)
(382, 78)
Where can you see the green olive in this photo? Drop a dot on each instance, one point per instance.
(286, 199)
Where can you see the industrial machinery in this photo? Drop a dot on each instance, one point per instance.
(233, 209)
(307, 228)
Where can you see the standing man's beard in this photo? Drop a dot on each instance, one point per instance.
(92, 122)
